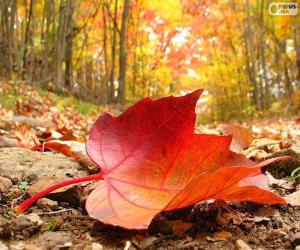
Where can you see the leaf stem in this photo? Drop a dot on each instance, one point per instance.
(27, 203)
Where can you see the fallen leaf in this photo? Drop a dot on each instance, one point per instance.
(266, 144)
(58, 147)
(255, 154)
(278, 182)
(241, 137)
(72, 149)
(5, 184)
(25, 136)
(225, 235)
(283, 145)
(293, 198)
(46, 182)
(152, 161)
(180, 227)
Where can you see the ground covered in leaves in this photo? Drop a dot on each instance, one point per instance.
(61, 222)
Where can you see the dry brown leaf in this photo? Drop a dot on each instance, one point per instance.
(293, 198)
(180, 227)
(25, 136)
(222, 235)
(241, 137)
(46, 182)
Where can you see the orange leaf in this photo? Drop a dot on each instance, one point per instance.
(150, 157)
(241, 137)
(58, 147)
(25, 136)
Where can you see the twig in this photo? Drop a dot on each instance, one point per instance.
(56, 212)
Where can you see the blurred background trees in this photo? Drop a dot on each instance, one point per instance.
(113, 51)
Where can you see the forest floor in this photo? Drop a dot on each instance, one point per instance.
(60, 221)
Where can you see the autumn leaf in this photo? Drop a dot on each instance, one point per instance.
(25, 136)
(72, 149)
(150, 157)
(152, 161)
(241, 137)
(58, 147)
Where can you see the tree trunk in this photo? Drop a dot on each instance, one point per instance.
(69, 44)
(105, 83)
(266, 88)
(288, 86)
(297, 47)
(60, 47)
(122, 55)
(252, 64)
(111, 91)
(7, 22)
(27, 42)
(47, 39)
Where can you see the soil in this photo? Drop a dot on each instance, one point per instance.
(61, 222)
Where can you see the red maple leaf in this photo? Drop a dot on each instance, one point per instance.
(152, 161)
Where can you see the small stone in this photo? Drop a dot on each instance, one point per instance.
(55, 239)
(24, 163)
(35, 219)
(3, 246)
(241, 245)
(21, 222)
(47, 203)
(295, 239)
(97, 246)
(25, 221)
(280, 232)
(5, 184)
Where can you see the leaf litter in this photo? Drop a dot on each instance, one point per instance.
(282, 227)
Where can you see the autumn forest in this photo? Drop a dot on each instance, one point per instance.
(119, 51)
(149, 124)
